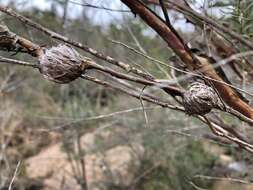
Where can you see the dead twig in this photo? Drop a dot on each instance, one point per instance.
(14, 175)
(57, 36)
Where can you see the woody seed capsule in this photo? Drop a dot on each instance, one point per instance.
(199, 99)
(62, 64)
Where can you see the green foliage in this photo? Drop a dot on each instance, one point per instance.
(179, 169)
(191, 161)
(241, 18)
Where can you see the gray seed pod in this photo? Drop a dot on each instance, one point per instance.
(62, 64)
(199, 99)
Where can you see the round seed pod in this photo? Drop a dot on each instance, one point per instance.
(62, 64)
(199, 99)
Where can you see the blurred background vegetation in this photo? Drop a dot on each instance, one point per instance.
(36, 114)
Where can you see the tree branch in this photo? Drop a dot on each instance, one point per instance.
(87, 49)
(175, 43)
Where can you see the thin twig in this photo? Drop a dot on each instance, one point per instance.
(223, 179)
(99, 7)
(135, 39)
(165, 13)
(132, 93)
(195, 186)
(144, 54)
(189, 74)
(17, 62)
(92, 51)
(212, 23)
(229, 110)
(142, 105)
(92, 118)
(14, 175)
(219, 131)
(57, 36)
(112, 72)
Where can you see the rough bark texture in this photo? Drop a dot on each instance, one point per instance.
(11, 41)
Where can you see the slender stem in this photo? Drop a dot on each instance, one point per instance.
(57, 36)
(133, 94)
(17, 62)
(171, 89)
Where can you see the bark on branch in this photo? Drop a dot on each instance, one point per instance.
(54, 67)
(11, 41)
(223, 47)
(175, 43)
